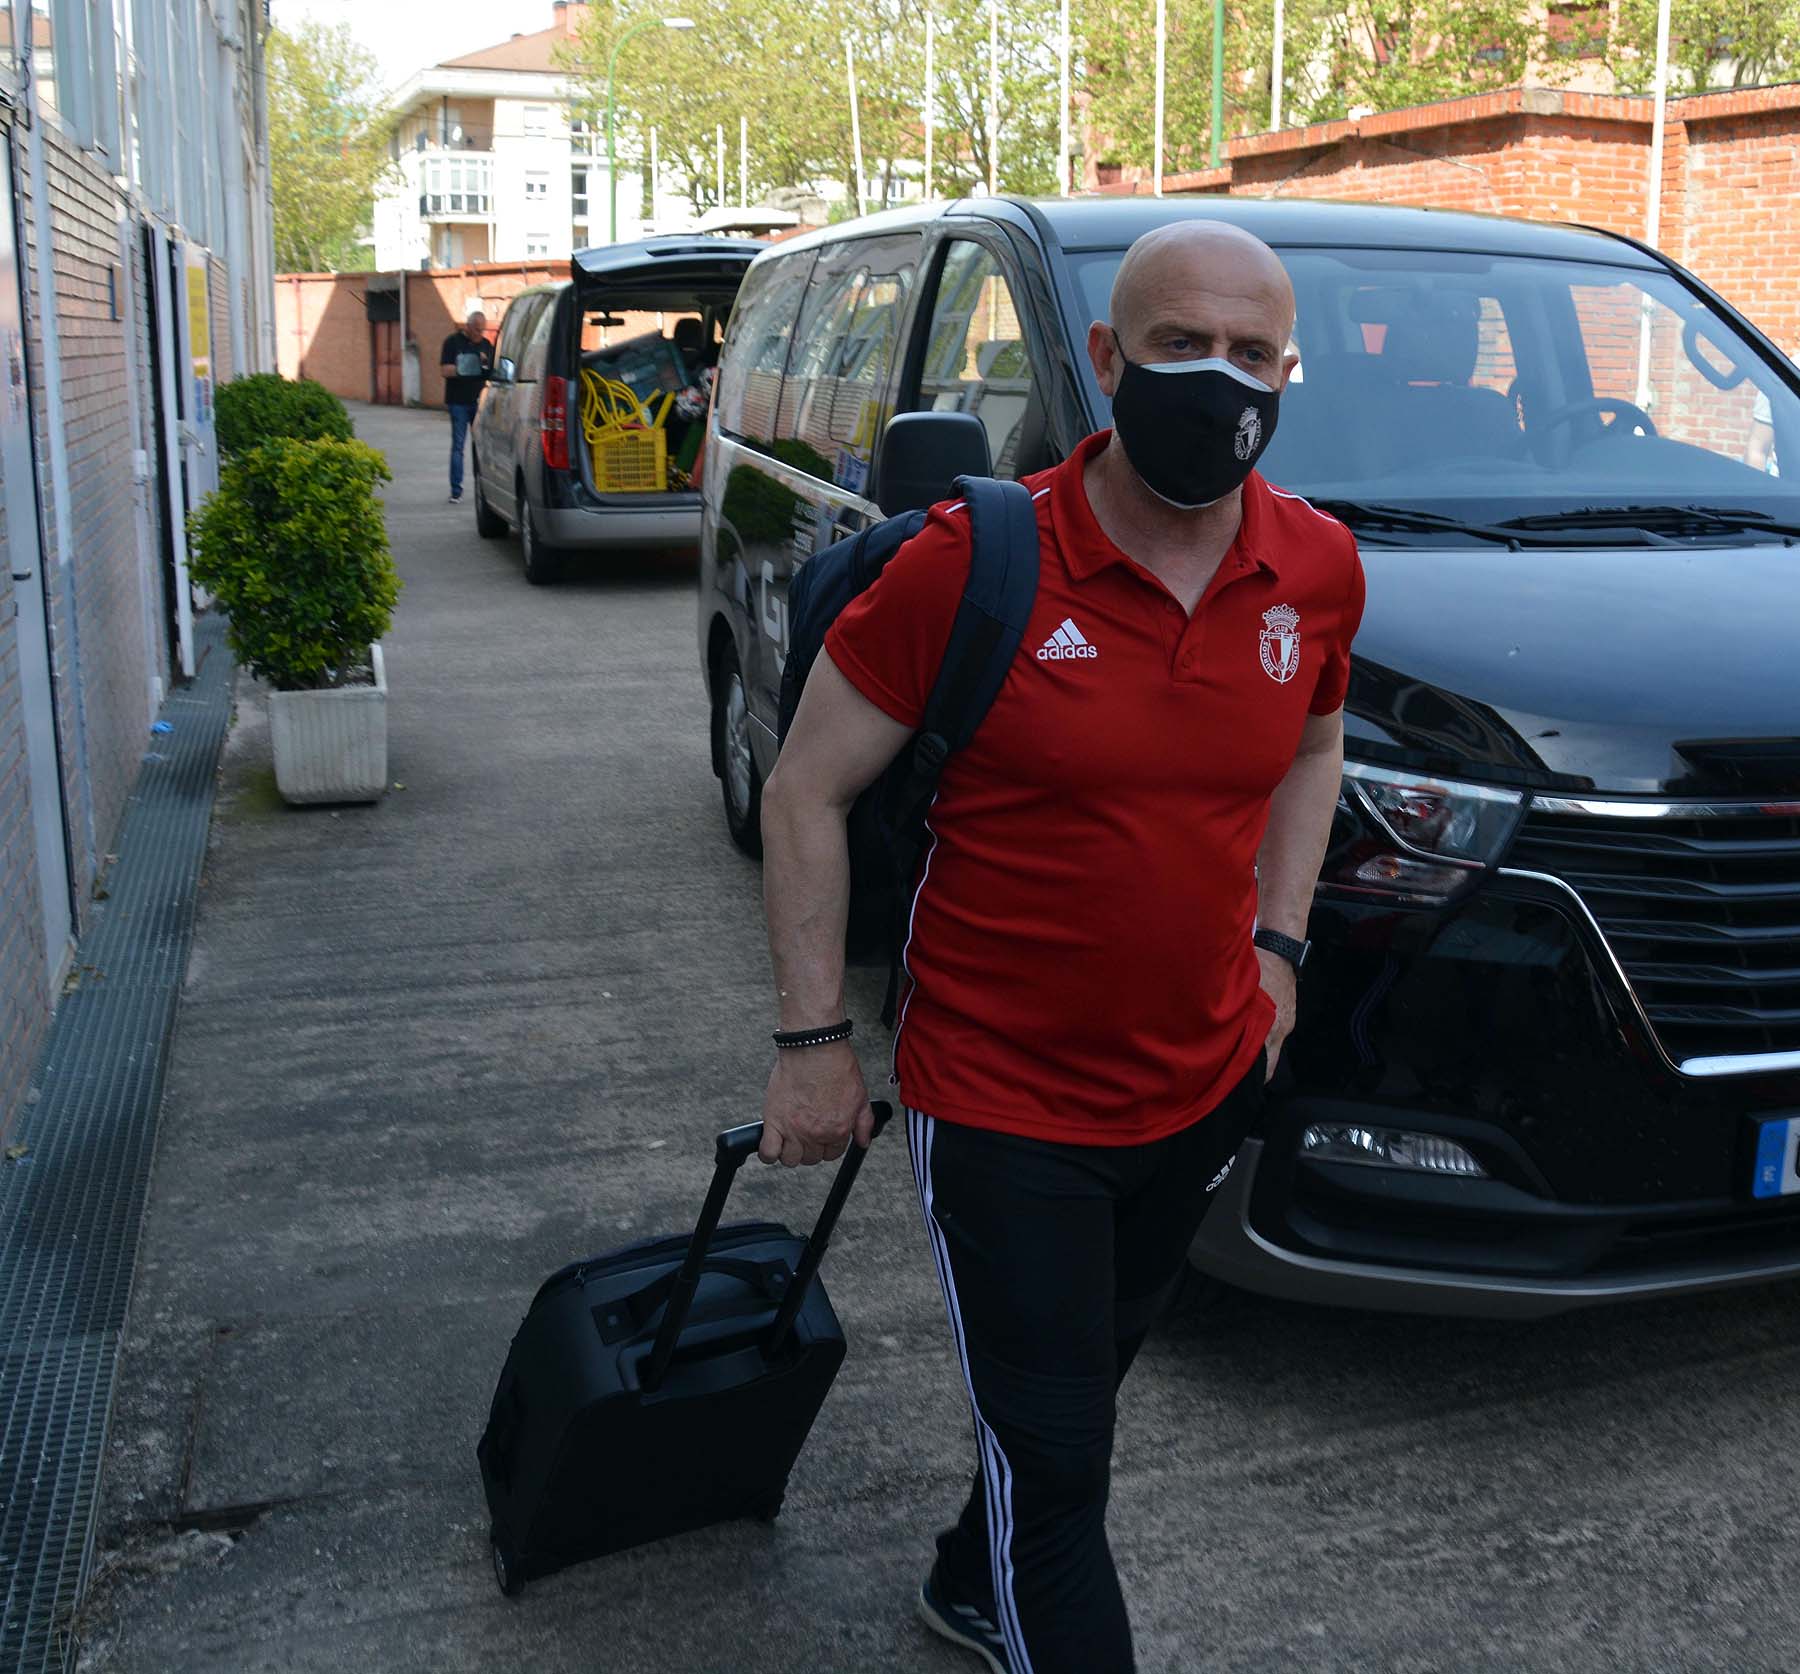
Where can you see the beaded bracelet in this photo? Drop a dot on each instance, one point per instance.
(787, 1039)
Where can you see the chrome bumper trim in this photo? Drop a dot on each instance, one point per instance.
(1736, 1063)
(1606, 807)
(1741, 1063)
(1227, 1247)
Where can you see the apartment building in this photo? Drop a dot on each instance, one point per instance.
(499, 161)
(136, 270)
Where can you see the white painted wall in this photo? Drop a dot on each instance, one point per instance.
(522, 225)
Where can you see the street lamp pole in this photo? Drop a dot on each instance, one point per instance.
(1653, 205)
(1162, 35)
(930, 110)
(1218, 77)
(612, 155)
(993, 110)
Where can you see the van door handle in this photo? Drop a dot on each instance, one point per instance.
(23, 575)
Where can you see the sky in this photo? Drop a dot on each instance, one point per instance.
(406, 36)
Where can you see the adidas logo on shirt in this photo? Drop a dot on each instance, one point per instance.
(1067, 641)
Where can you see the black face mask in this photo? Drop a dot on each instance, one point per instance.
(1192, 429)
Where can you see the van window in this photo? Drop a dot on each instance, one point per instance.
(515, 329)
(756, 350)
(1693, 389)
(1496, 386)
(537, 344)
(834, 398)
(975, 359)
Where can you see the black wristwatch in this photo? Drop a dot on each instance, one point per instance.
(1272, 941)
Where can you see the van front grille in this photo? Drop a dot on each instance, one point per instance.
(1702, 910)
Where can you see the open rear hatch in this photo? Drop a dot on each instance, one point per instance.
(652, 318)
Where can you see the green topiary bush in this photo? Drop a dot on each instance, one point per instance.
(294, 547)
(250, 411)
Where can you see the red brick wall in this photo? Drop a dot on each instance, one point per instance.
(437, 303)
(1740, 208)
(1473, 166)
(1730, 197)
(322, 324)
(322, 327)
(322, 332)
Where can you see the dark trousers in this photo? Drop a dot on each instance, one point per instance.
(461, 417)
(1054, 1262)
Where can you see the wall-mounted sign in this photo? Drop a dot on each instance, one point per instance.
(200, 335)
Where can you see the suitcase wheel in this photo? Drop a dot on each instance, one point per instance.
(507, 1570)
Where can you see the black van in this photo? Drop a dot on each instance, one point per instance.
(637, 323)
(1549, 1047)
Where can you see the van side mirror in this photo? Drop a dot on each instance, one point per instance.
(922, 454)
(506, 371)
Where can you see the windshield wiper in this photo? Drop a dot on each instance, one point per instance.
(1373, 515)
(1663, 519)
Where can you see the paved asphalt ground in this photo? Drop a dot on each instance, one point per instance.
(432, 1049)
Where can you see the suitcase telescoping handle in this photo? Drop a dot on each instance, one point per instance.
(734, 1148)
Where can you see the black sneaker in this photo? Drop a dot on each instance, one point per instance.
(962, 1623)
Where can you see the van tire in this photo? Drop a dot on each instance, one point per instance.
(740, 783)
(543, 564)
(489, 524)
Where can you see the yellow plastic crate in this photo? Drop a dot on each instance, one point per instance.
(631, 461)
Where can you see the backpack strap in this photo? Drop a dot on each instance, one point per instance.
(996, 604)
(984, 639)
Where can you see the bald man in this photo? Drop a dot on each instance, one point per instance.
(1104, 941)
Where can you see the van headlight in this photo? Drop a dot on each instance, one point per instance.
(1413, 837)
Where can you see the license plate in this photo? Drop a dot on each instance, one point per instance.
(1777, 1166)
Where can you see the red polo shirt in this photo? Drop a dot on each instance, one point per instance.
(1079, 955)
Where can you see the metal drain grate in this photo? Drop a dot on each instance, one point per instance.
(71, 1208)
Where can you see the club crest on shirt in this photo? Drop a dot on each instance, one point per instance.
(1280, 639)
(1249, 433)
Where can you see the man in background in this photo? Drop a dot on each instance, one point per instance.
(465, 361)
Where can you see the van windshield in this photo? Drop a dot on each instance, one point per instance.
(1494, 388)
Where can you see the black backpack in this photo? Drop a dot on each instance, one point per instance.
(887, 822)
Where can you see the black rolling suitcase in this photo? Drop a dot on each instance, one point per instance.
(663, 1387)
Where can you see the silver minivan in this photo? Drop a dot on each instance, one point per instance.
(635, 330)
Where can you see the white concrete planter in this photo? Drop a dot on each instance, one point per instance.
(332, 746)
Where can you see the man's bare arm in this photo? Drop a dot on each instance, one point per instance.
(1293, 849)
(839, 744)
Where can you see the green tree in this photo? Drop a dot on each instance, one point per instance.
(1712, 43)
(1027, 102)
(329, 131)
(1369, 55)
(781, 64)
(738, 60)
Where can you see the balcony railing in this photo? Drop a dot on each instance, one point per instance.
(453, 187)
(450, 206)
(454, 139)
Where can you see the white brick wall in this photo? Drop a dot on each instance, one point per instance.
(99, 652)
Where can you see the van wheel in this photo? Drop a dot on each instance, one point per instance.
(489, 524)
(542, 563)
(508, 1573)
(741, 782)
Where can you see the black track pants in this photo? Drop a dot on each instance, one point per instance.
(1055, 1260)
